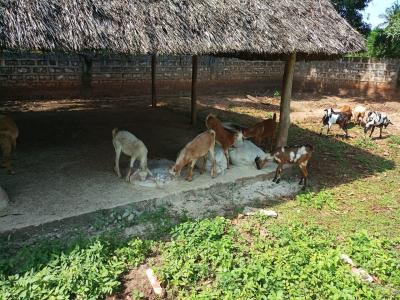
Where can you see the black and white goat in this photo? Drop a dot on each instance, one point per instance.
(331, 117)
(376, 119)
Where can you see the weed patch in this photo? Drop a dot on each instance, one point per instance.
(211, 259)
(317, 200)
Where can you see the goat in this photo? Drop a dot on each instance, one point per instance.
(8, 140)
(331, 117)
(261, 132)
(224, 137)
(299, 155)
(359, 114)
(199, 147)
(376, 119)
(130, 145)
(345, 109)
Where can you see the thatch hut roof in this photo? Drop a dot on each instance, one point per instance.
(230, 27)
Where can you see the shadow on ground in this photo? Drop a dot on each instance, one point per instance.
(166, 130)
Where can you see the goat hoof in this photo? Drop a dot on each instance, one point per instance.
(277, 181)
(303, 188)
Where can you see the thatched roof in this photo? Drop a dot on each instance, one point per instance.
(272, 27)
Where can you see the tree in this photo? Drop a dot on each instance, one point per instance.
(385, 42)
(351, 11)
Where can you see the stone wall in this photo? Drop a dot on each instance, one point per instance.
(31, 75)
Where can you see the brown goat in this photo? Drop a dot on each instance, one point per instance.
(299, 155)
(199, 147)
(8, 140)
(223, 136)
(262, 132)
(346, 110)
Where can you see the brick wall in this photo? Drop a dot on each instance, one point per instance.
(30, 75)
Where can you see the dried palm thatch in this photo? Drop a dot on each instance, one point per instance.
(231, 27)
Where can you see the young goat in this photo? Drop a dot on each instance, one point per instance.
(359, 114)
(331, 118)
(299, 155)
(8, 140)
(223, 136)
(261, 132)
(345, 109)
(199, 147)
(376, 119)
(130, 145)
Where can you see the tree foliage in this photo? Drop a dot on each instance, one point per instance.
(351, 11)
(386, 42)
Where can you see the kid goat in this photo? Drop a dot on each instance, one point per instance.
(223, 136)
(331, 117)
(299, 155)
(199, 147)
(8, 140)
(376, 119)
(130, 145)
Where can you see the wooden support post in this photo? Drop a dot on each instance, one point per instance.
(87, 75)
(284, 119)
(194, 91)
(153, 80)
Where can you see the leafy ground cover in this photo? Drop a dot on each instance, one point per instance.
(352, 207)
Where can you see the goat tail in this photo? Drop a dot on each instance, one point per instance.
(114, 132)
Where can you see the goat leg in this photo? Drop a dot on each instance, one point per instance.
(372, 130)
(190, 173)
(116, 166)
(132, 162)
(380, 132)
(303, 169)
(203, 166)
(278, 172)
(226, 152)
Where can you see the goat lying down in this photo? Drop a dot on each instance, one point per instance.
(376, 119)
(331, 117)
(125, 142)
(299, 155)
(199, 147)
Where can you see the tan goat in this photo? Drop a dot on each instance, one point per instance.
(359, 114)
(199, 147)
(130, 145)
(8, 140)
(223, 136)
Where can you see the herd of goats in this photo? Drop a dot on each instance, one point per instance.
(226, 135)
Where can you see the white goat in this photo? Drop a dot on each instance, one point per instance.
(130, 145)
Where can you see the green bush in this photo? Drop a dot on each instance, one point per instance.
(83, 273)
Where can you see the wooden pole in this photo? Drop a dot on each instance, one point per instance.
(153, 80)
(284, 116)
(194, 91)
